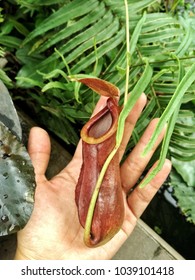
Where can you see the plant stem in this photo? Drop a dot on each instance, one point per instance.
(127, 53)
(88, 223)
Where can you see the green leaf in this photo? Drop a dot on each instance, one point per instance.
(185, 83)
(53, 85)
(109, 45)
(19, 27)
(135, 94)
(10, 41)
(27, 81)
(158, 36)
(136, 34)
(39, 2)
(84, 23)
(185, 43)
(3, 77)
(63, 15)
(139, 5)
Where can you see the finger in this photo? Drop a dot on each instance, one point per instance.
(131, 121)
(139, 199)
(39, 150)
(134, 165)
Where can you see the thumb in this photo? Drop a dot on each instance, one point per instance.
(39, 147)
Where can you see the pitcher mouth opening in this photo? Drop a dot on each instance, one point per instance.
(103, 125)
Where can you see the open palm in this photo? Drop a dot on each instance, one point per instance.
(54, 231)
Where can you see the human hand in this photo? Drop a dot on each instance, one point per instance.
(54, 231)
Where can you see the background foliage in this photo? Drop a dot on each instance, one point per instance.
(42, 42)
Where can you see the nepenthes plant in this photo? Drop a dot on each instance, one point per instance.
(98, 195)
(98, 140)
